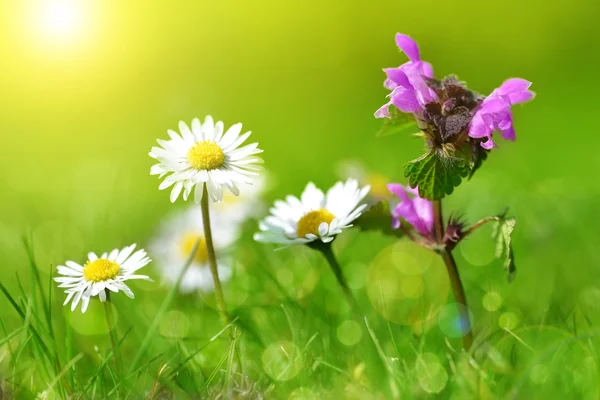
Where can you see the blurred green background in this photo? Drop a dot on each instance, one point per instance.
(82, 102)
(81, 106)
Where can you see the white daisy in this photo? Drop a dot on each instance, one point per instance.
(314, 216)
(109, 271)
(175, 242)
(205, 156)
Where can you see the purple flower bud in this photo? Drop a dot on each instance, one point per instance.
(410, 92)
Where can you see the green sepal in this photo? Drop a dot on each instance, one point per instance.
(398, 122)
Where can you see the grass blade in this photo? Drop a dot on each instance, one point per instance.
(163, 309)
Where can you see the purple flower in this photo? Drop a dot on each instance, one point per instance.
(410, 92)
(495, 112)
(415, 210)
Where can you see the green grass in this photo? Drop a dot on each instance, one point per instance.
(296, 337)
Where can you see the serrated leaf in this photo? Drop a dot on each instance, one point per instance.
(378, 218)
(398, 122)
(503, 236)
(436, 174)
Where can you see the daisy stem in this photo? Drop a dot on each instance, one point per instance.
(212, 262)
(112, 330)
(327, 251)
(457, 286)
(212, 258)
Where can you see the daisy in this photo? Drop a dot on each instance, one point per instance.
(109, 271)
(205, 157)
(315, 216)
(175, 241)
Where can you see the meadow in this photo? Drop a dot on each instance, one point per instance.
(86, 97)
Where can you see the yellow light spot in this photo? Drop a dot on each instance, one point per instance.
(310, 222)
(100, 270)
(492, 301)
(188, 241)
(206, 155)
(378, 185)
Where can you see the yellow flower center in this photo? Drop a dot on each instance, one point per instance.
(206, 155)
(100, 270)
(187, 243)
(310, 222)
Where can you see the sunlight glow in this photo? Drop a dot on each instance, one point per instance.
(60, 18)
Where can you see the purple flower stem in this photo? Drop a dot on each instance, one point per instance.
(457, 286)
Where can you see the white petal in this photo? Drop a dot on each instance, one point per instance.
(68, 271)
(176, 191)
(185, 132)
(113, 255)
(74, 265)
(84, 303)
(197, 130)
(123, 254)
(232, 133)
(208, 128)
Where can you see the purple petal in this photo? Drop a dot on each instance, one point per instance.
(516, 90)
(405, 100)
(398, 190)
(521, 97)
(513, 85)
(398, 76)
(478, 127)
(389, 84)
(427, 70)
(408, 46)
(384, 111)
(418, 212)
(489, 144)
(509, 133)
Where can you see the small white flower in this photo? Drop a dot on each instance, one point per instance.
(205, 155)
(175, 242)
(109, 271)
(314, 216)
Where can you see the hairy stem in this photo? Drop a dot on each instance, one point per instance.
(457, 286)
(479, 224)
(212, 258)
(112, 330)
(327, 251)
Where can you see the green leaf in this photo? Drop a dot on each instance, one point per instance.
(398, 122)
(436, 173)
(378, 218)
(503, 236)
